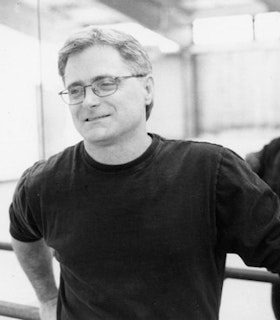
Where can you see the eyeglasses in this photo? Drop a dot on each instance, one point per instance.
(102, 87)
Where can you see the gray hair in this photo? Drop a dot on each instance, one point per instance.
(131, 51)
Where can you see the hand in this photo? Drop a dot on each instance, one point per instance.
(48, 310)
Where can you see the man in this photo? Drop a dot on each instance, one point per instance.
(139, 224)
(266, 163)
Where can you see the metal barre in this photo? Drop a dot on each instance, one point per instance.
(19, 311)
(252, 275)
(6, 246)
(233, 273)
(23, 312)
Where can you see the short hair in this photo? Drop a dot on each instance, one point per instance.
(131, 51)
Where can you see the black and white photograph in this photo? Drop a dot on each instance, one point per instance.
(140, 159)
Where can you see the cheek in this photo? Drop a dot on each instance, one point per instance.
(73, 110)
(132, 110)
(74, 114)
(135, 103)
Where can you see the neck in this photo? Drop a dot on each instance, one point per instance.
(118, 153)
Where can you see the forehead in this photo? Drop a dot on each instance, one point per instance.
(93, 62)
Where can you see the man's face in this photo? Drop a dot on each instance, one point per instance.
(111, 119)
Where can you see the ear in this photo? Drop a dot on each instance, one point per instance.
(149, 89)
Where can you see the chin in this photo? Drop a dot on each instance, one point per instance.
(99, 138)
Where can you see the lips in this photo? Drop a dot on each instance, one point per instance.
(96, 117)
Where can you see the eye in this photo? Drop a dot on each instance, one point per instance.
(75, 91)
(107, 84)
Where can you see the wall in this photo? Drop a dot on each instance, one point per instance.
(238, 87)
(167, 117)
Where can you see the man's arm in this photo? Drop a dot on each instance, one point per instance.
(35, 259)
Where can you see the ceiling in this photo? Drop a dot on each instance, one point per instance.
(174, 18)
(171, 18)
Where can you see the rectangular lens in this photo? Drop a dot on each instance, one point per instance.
(76, 94)
(105, 85)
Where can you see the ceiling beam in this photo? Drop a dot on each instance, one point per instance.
(154, 14)
(164, 17)
(146, 14)
(272, 5)
(174, 18)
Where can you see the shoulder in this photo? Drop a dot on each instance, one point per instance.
(195, 156)
(196, 149)
(45, 170)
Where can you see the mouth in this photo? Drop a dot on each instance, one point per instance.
(96, 118)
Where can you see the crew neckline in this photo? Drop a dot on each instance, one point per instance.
(135, 164)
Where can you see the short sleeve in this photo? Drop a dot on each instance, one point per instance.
(248, 216)
(22, 223)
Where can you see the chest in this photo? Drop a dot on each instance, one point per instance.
(104, 222)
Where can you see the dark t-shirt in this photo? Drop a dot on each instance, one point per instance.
(147, 239)
(267, 165)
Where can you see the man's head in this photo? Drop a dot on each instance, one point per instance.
(131, 51)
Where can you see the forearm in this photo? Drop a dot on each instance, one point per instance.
(35, 259)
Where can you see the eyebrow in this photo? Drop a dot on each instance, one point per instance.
(82, 83)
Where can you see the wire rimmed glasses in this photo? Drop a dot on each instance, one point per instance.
(101, 86)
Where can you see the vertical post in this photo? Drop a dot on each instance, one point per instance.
(190, 95)
(40, 112)
(254, 27)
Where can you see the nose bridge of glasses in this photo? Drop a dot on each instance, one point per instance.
(91, 99)
(90, 90)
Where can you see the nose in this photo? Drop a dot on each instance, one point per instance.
(91, 99)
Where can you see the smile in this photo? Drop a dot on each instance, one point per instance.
(96, 118)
